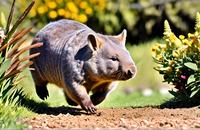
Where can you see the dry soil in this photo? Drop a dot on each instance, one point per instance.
(147, 117)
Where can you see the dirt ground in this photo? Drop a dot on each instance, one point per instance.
(148, 117)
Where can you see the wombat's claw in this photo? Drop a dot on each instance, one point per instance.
(89, 108)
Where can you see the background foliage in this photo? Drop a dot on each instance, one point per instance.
(142, 18)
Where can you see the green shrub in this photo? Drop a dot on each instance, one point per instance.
(178, 60)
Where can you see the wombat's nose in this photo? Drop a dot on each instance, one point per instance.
(130, 73)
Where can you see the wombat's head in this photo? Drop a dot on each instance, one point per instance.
(110, 59)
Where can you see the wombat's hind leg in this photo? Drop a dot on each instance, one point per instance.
(69, 101)
(42, 91)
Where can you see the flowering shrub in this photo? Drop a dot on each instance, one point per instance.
(178, 60)
(80, 10)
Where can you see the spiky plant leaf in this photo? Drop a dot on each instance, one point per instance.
(19, 21)
(4, 66)
(3, 20)
(10, 17)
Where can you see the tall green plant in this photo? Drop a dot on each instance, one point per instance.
(12, 58)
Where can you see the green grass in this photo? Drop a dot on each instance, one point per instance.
(146, 77)
(11, 115)
(136, 99)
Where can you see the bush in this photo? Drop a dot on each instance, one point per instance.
(178, 60)
(142, 18)
(45, 11)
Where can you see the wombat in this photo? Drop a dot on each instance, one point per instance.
(80, 61)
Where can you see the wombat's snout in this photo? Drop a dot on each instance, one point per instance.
(131, 71)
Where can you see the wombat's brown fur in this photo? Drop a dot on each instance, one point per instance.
(79, 60)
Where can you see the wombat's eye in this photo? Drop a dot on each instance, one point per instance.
(114, 58)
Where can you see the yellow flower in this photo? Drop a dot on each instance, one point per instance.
(88, 11)
(32, 13)
(195, 40)
(156, 50)
(169, 69)
(53, 14)
(83, 5)
(171, 62)
(52, 4)
(175, 40)
(72, 7)
(67, 14)
(61, 12)
(172, 37)
(162, 47)
(74, 16)
(101, 4)
(59, 1)
(82, 18)
(159, 58)
(187, 42)
(183, 49)
(181, 37)
(156, 47)
(175, 54)
(190, 35)
(93, 1)
(41, 9)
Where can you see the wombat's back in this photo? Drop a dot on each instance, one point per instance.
(61, 40)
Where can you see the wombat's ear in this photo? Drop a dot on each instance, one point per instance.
(94, 41)
(122, 37)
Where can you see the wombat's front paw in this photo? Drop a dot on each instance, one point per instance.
(88, 107)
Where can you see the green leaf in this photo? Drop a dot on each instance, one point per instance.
(191, 79)
(194, 92)
(5, 65)
(3, 20)
(191, 65)
(172, 92)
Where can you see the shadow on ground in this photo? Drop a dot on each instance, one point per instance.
(180, 103)
(43, 108)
